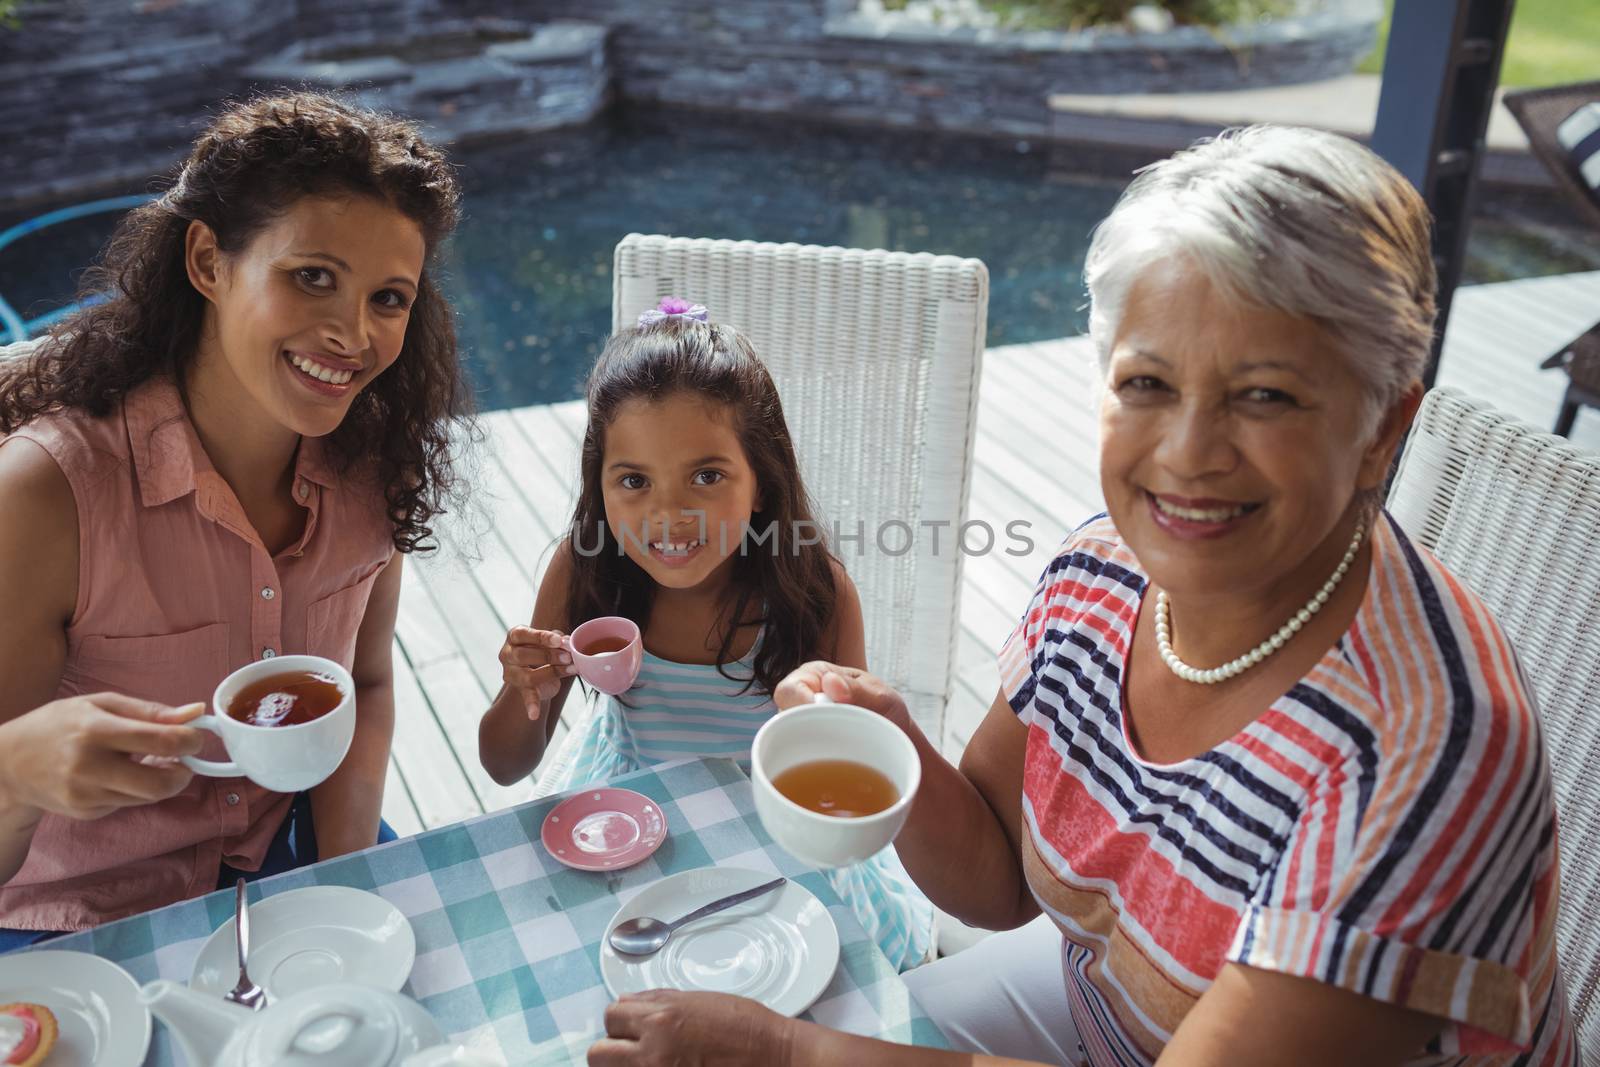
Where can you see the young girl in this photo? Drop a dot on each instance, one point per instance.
(686, 451)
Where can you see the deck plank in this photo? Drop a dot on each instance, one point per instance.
(420, 642)
(458, 703)
(1499, 333)
(440, 791)
(555, 432)
(532, 472)
(468, 616)
(513, 519)
(456, 693)
(398, 810)
(518, 471)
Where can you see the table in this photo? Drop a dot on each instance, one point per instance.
(508, 940)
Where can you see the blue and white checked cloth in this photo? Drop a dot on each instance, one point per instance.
(508, 940)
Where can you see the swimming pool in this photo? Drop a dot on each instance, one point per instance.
(529, 270)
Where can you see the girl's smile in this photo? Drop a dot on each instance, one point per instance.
(676, 553)
(679, 491)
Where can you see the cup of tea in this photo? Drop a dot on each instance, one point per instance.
(607, 653)
(833, 783)
(286, 722)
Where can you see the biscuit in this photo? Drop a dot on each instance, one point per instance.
(40, 1037)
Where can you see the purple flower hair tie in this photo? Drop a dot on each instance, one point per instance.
(672, 307)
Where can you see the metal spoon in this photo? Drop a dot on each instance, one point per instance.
(245, 992)
(644, 935)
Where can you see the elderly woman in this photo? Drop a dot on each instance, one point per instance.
(1269, 771)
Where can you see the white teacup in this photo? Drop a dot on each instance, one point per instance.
(285, 759)
(827, 731)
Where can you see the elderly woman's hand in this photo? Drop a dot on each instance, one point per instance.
(842, 685)
(664, 1027)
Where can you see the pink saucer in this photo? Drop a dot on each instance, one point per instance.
(603, 829)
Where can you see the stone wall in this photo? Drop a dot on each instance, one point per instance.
(99, 95)
(516, 78)
(94, 93)
(97, 91)
(823, 59)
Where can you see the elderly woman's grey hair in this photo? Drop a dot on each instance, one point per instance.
(1304, 222)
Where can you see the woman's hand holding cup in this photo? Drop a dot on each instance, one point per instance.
(84, 757)
(819, 680)
(830, 718)
(534, 663)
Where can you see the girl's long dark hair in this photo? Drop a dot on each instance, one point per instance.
(788, 580)
(254, 162)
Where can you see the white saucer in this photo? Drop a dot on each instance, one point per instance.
(95, 1002)
(780, 949)
(310, 937)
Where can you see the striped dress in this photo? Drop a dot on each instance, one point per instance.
(1387, 826)
(690, 711)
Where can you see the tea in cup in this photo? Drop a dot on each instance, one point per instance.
(607, 653)
(827, 810)
(841, 788)
(285, 722)
(286, 699)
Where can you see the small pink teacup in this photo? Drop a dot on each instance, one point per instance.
(607, 653)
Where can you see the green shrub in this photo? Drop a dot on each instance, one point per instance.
(1080, 14)
(1225, 12)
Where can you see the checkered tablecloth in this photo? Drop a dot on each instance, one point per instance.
(508, 940)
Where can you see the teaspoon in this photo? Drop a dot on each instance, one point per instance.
(645, 935)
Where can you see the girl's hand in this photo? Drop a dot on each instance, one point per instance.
(666, 1028)
(87, 756)
(534, 664)
(842, 685)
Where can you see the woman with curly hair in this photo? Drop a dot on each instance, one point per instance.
(223, 461)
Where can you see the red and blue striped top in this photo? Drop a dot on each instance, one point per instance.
(1386, 826)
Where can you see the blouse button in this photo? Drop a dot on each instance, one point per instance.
(302, 491)
(267, 653)
(233, 799)
(267, 593)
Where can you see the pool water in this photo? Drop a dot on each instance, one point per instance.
(529, 271)
(535, 308)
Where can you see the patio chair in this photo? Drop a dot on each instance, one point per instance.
(20, 349)
(877, 357)
(1515, 514)
(1563, 128)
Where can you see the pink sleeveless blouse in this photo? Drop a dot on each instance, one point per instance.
(176, 590)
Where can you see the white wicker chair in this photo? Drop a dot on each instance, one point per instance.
(20, 349)
(1515, 513)
(877, 356)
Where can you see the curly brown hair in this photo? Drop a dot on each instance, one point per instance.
(250, 166)
(791, 584)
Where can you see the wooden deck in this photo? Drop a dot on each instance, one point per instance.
(1035, 461)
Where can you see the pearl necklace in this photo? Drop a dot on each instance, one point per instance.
(1265, 648)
